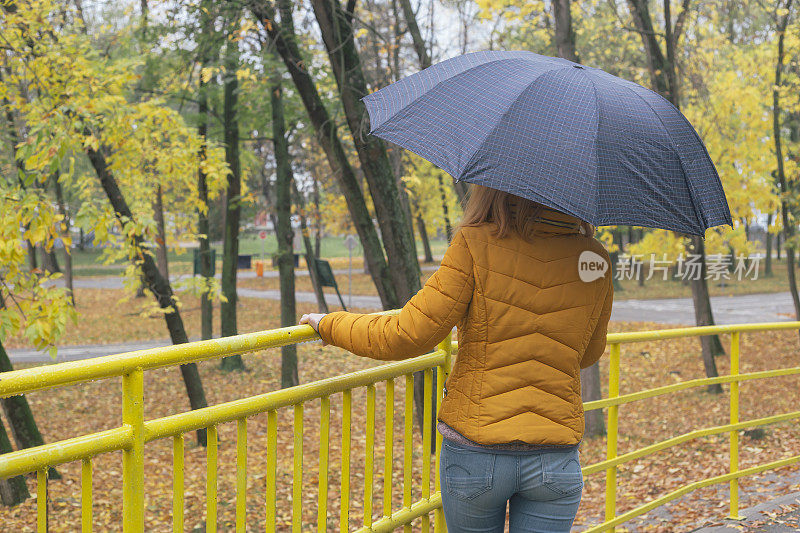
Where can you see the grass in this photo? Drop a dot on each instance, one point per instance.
(69, 411)
(86, 262)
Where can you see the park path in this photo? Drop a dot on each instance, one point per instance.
(774, 307)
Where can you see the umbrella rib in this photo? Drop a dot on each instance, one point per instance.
(698, 215)
(597, 167)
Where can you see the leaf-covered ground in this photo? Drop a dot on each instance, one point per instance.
(104, 317)
(75, 410)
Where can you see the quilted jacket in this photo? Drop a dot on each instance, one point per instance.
(526, 323)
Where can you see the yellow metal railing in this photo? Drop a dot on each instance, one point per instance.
(135, 432)
(614, 400)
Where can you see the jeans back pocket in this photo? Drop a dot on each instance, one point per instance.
(561, 472)
(467, 473)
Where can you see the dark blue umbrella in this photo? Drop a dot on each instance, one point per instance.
(572, 137)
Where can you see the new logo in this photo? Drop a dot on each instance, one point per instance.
(591, 266)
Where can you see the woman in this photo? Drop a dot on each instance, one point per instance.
(512, 415)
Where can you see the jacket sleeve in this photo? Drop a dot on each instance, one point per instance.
(421, 324)
(597, 344)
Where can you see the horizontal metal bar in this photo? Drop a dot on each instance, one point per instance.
(697, 331)
(633, 513)
(65, 451)
(683, 385)
(405, 515)
(227, 412)
(48, 376)
(648, 450)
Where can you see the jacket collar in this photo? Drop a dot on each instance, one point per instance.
(552, 221)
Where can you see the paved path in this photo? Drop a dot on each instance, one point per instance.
(781, 515)
(86, 351)
(775, 307)
(779, 512)
(727, 310)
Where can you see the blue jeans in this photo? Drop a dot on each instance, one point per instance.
(543, 488)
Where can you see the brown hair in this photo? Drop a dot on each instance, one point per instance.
(509, 212)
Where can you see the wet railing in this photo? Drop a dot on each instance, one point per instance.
(136, 432)
(614, 400)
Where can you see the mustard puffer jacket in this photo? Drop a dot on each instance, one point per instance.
(526, 322)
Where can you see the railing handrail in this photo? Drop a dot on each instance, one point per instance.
(245, 407)
(109, 366)
(73, 372)
(628, 337)
(119, 438)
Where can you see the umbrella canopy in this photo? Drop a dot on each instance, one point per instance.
(571, 137)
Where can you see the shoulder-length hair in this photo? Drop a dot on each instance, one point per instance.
(508, 212)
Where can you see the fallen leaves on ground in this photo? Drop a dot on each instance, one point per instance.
(105, 317)
(90, 407)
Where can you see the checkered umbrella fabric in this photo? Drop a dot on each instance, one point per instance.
(572, 137)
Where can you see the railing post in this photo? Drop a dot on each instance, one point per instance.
(734, 434)
(41, 501)
(324, 441)
(133, 457)
(446, 346)
(611, 450)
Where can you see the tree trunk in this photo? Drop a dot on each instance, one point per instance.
(203, 226)
(33, 262)
(19, 163)
(337, 34)
(416, 36)
(13, 491)
(230, 254)
(283, 37)
(317, 220)
(787, 213)
(702, 310)
(591, 390)
(406, 205)
(284, 233)
(616, 235)
(161, 240)
(20, 417)
(158, 285)
(311, 258)
(62, 208)
(423, 235)
(768, 244)
(49, 260)
(564, 34)
(448, 228)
